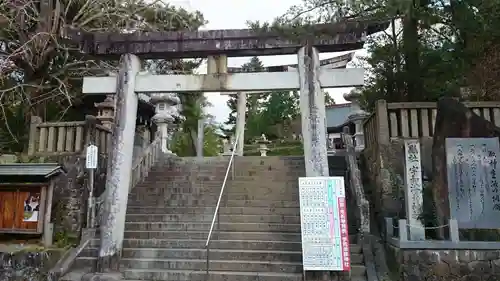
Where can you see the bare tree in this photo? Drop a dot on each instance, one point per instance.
(39, 69)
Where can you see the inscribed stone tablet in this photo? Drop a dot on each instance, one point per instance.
(474, 194)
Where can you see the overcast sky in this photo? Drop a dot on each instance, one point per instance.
(228, 14)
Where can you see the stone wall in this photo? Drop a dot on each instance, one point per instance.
(71, 194)
(26, 264)
(383, 173)
(444, 265)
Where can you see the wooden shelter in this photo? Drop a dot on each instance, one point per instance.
(26, 191)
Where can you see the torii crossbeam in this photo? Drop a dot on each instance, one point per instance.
(343, 36)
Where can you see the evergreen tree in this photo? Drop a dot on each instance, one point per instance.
(431, 49)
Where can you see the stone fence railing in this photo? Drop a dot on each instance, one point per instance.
(356, 184)
(66, 138)
(414, 120)
(149, 157)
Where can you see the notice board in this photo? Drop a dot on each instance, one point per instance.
(323, 218)
(21, 209)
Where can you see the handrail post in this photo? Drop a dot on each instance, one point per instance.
(208, 263)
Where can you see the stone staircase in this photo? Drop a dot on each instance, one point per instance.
(257, 237)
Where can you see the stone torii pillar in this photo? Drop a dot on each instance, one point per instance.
(215, 65)
(240, 122)
(119, 167)
(313, 113)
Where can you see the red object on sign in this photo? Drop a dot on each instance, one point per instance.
(344, 234)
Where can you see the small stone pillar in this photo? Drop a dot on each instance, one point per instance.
(357, 117)
(263, 142)
(146, 134)
(166, 111)
(414, 189)
(139, 142)
(106, 111)
(172, 129)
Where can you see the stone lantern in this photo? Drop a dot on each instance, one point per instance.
(263, 142)
(357, 117)
(106, 111)
(166, 111)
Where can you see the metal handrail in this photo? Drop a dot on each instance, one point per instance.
(216, 212)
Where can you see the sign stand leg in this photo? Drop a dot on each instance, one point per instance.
(91, 160)
(91, 203)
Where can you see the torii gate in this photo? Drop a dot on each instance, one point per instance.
(309, 79)
(331, 63)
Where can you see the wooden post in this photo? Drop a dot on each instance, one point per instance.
(382, 122)
(312, 109)
(119, 166)
(48, 228)
(34, 137)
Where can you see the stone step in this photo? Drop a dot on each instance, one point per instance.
(255, 182)
(188, 226)
(232, 189)
(200, 264)
(219, 235)
(200, 253)
(357, 273)
(190, 275)
(228, 195)
(208, 218)
(203, 202)
(241, 168)
(215, 244)
(216, 254)
(144, 209)
(256, 196)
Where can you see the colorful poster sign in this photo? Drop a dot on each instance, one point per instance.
(32, 207)
(323, 217)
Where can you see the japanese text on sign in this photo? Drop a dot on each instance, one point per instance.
(323, 212)
(474, 193)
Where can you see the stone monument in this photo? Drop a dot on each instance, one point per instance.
(473, 183)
